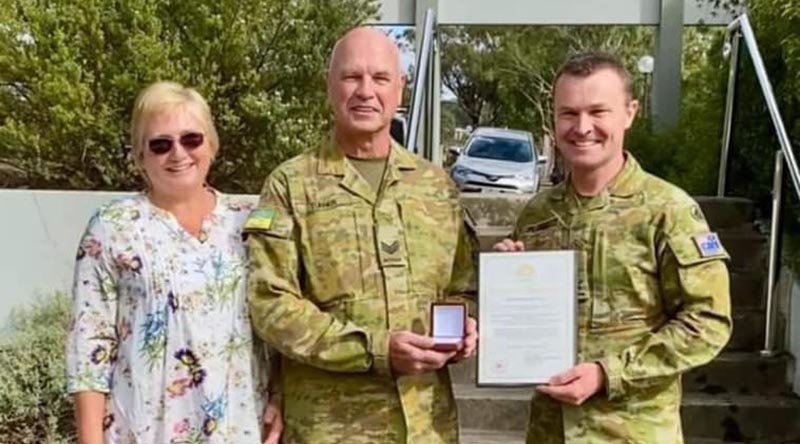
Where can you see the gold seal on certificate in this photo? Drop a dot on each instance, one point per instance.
(527, 316)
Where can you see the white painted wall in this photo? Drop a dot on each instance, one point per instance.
(39, 234)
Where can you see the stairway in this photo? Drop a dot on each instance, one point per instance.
(740, 397)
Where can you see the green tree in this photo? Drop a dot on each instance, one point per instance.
(69, 72)
(531, 56)
(468, 61)
(502, 76)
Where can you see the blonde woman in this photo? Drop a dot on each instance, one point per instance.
(160, 348)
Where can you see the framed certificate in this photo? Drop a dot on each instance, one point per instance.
(527, 311)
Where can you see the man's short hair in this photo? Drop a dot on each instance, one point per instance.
(587, 63)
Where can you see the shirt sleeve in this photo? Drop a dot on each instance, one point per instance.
(694, 287)
(281, 314)
(463, 281)
(92, 340)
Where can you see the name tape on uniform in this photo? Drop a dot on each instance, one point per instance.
(708, 244)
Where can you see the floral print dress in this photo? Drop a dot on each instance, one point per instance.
(160, 323)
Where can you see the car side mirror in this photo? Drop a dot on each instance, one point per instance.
(454, 150)
(542, 160)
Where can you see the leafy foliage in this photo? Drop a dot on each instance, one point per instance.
(33, 405)
(502, 76)
(69, 72)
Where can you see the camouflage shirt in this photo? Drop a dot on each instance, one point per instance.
(334, 268)
(653, 302)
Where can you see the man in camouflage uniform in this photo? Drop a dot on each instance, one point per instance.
(351, 243)
(653, 298)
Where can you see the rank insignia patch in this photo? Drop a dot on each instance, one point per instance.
(390, 248)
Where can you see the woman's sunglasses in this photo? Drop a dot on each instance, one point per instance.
(163, 145)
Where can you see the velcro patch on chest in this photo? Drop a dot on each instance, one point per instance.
(708, 244)
(260, 219)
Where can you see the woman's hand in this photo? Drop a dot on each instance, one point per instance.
(90, 409)
(272, 420)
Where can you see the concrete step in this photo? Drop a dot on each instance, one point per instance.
(748, 249)
(730, 372)
(744, 373)
(748, 330)
(741, 417)
(473, 436)
(748, 288)
(725, 417)
(492, 408)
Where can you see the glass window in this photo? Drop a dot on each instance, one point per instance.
(496, 148)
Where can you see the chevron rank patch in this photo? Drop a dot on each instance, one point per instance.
(708, 244)
(260, 219)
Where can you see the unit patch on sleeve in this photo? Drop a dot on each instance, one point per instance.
(260, 219)
(708, 244)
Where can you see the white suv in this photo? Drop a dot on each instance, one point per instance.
(497, 159)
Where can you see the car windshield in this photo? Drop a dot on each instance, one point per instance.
(497, 148)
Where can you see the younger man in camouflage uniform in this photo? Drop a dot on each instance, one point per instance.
(653, 290)
(351, 244)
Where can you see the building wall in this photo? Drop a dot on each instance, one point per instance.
(39, 234)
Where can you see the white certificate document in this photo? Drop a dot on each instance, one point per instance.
(527, 313)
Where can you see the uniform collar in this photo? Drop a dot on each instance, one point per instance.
(624, 185)
(332, 160)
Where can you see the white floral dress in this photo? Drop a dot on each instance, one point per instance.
(160, 323)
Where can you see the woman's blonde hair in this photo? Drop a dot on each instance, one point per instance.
(163, 97)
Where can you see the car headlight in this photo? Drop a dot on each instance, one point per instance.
(526, 177)
(459, 172)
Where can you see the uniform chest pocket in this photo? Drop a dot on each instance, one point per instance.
(542, 236)
(333, 253)
(624, 281)
(431, 236)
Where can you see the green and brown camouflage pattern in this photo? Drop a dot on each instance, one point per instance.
(650, 305)
(338, 269)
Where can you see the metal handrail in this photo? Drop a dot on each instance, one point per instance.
(774, 233)
(742, 25)
(731, 49)
(420, 81)
(741, 28)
